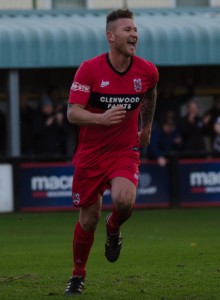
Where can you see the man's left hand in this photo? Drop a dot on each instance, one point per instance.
(144, 137)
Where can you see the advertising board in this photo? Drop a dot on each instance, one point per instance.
(6, 188)
(48, 187)
(199, 182)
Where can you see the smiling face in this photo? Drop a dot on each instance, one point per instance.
(122, 36)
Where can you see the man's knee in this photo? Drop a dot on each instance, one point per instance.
(124, 199)
(89, 220)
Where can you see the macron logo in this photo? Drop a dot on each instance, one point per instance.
(104, 83)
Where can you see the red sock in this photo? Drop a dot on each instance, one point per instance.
(117, 219)
(113, 227)
(82, 244)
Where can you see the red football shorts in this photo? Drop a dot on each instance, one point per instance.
(88, 183)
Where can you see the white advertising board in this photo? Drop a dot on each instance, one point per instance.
(6, 188)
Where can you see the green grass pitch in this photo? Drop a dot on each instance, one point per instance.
(167, 254)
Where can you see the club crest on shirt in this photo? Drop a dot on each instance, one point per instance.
(137, 85)
(76, 198)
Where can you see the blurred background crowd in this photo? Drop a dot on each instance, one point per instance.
(181, 126)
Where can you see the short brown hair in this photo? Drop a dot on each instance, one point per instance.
(119, 14)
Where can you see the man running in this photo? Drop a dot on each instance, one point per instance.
(111, 96)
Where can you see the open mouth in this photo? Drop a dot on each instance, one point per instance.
(132, 44)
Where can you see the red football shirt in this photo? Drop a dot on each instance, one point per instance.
(98, 86)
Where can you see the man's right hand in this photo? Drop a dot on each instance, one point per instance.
(113, 116)
(78, 114)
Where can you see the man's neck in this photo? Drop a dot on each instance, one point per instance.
(119, 62)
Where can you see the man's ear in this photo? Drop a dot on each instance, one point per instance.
(110, 36)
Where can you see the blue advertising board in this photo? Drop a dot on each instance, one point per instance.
(199, 182)
(48, 187)
(153, 185)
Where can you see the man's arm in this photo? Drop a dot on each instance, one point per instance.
(146, 115)
(77, 114)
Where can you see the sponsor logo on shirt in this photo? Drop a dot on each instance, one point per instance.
(128, 103)
(104, 83)
(76, 86)
(108, 101)
(137, 85)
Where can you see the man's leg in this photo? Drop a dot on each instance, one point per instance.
(82, 244)
(84, 236)
(123, 194)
